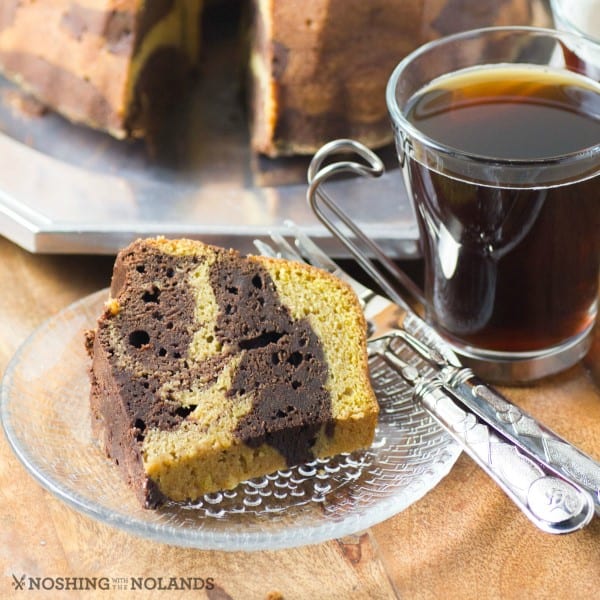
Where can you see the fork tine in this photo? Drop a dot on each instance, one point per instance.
(264, 248)
(318, 258)
(285, 249)
(309, 249)
(281, 248)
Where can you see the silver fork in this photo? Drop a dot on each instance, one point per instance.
(553, 502)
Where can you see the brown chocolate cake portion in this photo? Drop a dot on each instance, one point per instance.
(283, 361)
(112, 65)
(209, 368)
(319, 67)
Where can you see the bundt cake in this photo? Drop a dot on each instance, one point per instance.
(317, 68)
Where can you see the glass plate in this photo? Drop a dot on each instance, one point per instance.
(46, 419)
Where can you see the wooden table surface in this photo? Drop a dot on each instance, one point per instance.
(462, 540)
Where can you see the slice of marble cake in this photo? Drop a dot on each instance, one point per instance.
(209, 368)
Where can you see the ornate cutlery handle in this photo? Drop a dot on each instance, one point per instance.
(552, 503)
(514, 424)
(523, 430)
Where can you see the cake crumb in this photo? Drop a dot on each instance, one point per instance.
(89, 336)
(23, 105)
(112, 307)
(207, 357)
(274, 595)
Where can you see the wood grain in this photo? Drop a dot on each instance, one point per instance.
(463, 540)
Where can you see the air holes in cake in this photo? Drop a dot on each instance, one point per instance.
(257, 282)
(176, 354)
(282, 413)
(162, 352)
(296, 384)
(170, 272)
(260, 341)
(140, 426)
(139, 338)
(140, 269)
(184, 411)
(295, 359)
(151, 295)
(169, 325)
(232, 290)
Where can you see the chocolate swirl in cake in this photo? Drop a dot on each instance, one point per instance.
(281, 366)
(282, 363)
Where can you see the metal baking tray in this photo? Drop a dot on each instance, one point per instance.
(67, 189)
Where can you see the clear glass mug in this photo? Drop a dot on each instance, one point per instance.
(511, 245)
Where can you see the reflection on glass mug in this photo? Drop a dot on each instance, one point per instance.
(582, 17)
(499, 142)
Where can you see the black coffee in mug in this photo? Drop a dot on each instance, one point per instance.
(512, 268)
